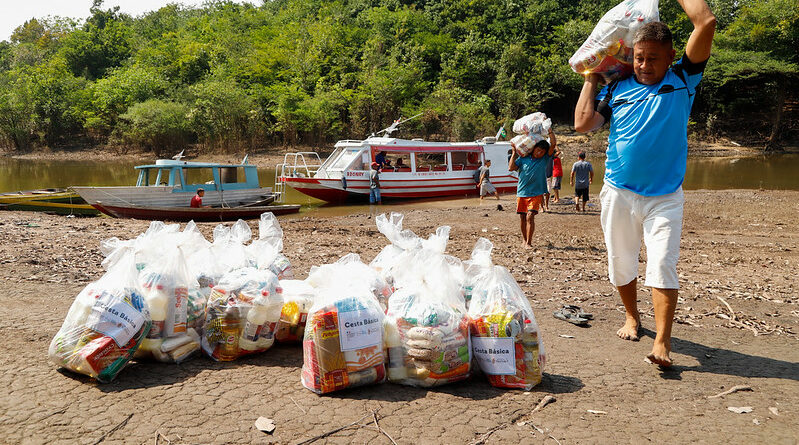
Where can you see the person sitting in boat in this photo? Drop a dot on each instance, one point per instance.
(400, 164)
(197, 200)
(381, 159)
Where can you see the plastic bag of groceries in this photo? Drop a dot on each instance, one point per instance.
(203, 271)
(241, 314)
(267, 249)
(105, 324)
(165, 286)
(505, 338)
(298, 298)
(347, 269)
(535, 125)
(343, 343)
(608, 51)
(427, 326)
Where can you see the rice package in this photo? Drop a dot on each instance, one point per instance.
(165, 287)
(608, 51)
(343, 343)
(506, 341)
(298, 298)
(105, 324)
(242, 312)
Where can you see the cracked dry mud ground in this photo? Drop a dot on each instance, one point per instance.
(742, 246)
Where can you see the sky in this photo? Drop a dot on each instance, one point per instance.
(15, 12)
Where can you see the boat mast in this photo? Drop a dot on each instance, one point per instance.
(393, 127)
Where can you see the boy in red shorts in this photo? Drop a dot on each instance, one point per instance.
(532, 183)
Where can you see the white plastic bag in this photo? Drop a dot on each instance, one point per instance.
(348, 270)
(535, 125)
(241, 314)
(343, 343)
(105, 324)
(608, 51)
(165, 285)
(506, 342)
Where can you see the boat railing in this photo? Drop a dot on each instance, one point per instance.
(300, 164)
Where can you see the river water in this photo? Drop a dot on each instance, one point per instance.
(774, 172)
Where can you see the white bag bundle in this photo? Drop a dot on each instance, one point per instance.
(343, 343)
(506, 341)
(349, 269)
(241, 314)
(608, 51)
(105, 324)
(266, 251)
(427, 327)
(530, 129)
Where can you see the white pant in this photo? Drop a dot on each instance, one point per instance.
(626, 217)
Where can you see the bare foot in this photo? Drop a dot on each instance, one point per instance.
(630, 330)
(528, 246)
(659, 356)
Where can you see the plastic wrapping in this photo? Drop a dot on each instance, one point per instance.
(165, 285)
(266, 250)
(105, 324)
(427, 339)
(241, 314)
(505, 338)
(608, 51)
(343, 343)
(347, 269)
(401, 241)
(535, 126)
(298, 298)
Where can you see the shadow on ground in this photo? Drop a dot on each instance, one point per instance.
(725, 361)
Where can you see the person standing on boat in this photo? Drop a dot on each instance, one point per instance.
(532, 182)
(646, 161)
(486, 187)
(197, 200)
(381, 159)
(374, 184)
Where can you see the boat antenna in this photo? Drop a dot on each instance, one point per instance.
(179, 156)
(393, 127)
(244, 161)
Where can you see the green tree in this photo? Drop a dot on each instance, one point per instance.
(157, 125)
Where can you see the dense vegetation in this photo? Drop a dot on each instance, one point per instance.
(230, 76)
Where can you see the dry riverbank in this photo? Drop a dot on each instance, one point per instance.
(741, 247)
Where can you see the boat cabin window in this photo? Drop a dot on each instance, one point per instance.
(232, 174)
(397, 161)
(153, 176)
(345, 158)
(465, 160)
(195, 176)
(431, 161)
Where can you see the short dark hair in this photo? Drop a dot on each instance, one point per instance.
(542, 144)
(653, 31)
(200, 190)
(581, 155)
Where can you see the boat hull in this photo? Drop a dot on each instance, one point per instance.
(195, 214)
(169, 196)
(394, 186)
(59, 201)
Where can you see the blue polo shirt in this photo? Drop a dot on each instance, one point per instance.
(648, 142)
(532, 176)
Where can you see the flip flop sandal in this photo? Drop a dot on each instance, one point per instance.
(578, 311)
(570, 316)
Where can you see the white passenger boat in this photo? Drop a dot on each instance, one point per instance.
(172, 183)
(425, 170)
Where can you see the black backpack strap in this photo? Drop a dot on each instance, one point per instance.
(603, 107)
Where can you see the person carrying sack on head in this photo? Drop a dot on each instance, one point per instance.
(645, 167)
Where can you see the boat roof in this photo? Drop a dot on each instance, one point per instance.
(161, 163)
(397, 144)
